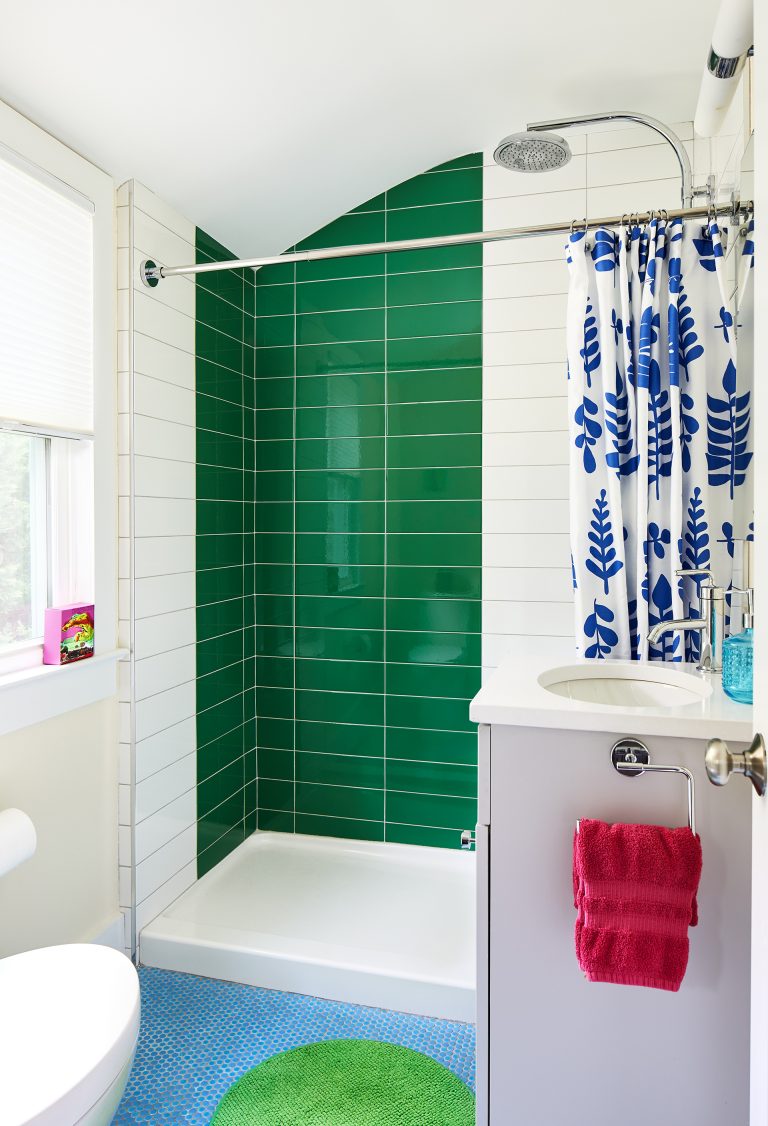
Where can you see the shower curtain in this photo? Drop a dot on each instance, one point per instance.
(660, 430)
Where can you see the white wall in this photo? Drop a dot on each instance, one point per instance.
(63, 773)
(527, 589)
(157, 558)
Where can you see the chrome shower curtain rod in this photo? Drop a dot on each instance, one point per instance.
(152, 273)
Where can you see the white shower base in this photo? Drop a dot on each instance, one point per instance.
(375, 924)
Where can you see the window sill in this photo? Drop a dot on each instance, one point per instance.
(32, 695)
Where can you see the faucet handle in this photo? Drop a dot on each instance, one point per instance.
(695, 572)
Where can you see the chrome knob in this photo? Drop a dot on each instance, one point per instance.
(721, 763)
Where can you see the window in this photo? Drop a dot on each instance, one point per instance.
(46, 399)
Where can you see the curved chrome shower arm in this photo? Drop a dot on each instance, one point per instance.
(687, 190)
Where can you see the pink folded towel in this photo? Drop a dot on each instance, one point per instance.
(635, 893)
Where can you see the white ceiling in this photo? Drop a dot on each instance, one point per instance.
(261, 120)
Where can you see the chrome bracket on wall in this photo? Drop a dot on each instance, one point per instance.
(631, 757)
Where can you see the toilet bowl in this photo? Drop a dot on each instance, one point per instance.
(69, 1021)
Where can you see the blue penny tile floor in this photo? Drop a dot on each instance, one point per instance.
(198, 1036)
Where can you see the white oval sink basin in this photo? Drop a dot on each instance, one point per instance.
(626, 685)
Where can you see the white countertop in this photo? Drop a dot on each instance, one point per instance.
(514, 696)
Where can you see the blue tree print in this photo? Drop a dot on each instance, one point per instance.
(619, 425)
(684, 345)
(658, 541)
(728, 434)
(728, 537)
(597, 625)
(649, 334)
(705, 249)
(661, 611)
(602, 561)
(660, 441)
(689, 425)
(591, 430)
(590, 353)
(726, 323)
(695, 555)
(604, 250)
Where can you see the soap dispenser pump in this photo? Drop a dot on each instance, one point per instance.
(738, 652)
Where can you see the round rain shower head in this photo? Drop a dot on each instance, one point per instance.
(532, 152)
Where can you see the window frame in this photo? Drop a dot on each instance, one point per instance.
(55, 160)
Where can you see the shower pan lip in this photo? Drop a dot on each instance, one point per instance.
(367, 923)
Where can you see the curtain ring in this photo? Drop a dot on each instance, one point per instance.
(575, 223)
(664, 214)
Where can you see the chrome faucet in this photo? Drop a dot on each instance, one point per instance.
(711, 621)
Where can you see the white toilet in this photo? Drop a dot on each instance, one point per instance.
(69, 1021)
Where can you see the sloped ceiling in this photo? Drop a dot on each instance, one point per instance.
(261, 120)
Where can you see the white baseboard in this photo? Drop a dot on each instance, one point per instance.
(113, 934)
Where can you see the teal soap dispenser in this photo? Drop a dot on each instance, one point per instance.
(738, 652)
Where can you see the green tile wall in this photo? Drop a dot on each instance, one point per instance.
(368, 523)
(225, 396)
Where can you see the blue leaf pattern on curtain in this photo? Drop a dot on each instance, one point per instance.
(660, 420)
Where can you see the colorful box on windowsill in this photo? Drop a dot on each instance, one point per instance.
(68, 634)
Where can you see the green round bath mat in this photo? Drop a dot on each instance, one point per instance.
(347, 1083)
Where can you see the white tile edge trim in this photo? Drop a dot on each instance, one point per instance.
(31, 696)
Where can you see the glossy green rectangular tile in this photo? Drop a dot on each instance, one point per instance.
(352, 293)
(340, 676)
(219, 652)
(441, 258)
(406, 647)
(209, 249)
(274, 547)
(432, 746)
(340, 644)
(340, 801)
(363, 389)
(221, 685)
(332, 738)
(218, 347)
(459, 681)
(282, 273)
(340, 613)
(274, 363)
(340, 707)
(332, 326)
(326, 359)
(340, 484)
(434, 582)
(276, 794)
(273, 578)
(272, 763)
(450, 319)
(366, 265)
(219, 719)
(439, 484)
(349, 421)
(276, 703)
(219, 752)
(274, 455)
(274, 610)
(219, 414)
(219, 618)
(218, 382)
(274, 516)
(209, 855)
(275, 393)
(275, 672)
(275, 821)
(346, 230)
(218, 584)
(274, 485)
(461, 184)
(421, 712)
(438, 450)
(421, 835)
(275, 300)
(274, 641)
(276, 733)
(412, 777)
(428, 516)
(353, 829)
(341, 770)
(434, 615)
(215, 312)
(338, 549)
(464, 350)
(216, 518)
(275, 332)
(426, 222)
(341, 581)
(274, 424)
(332, 516)
(339, 453)
(429, 809)
(249, 402)
(227, 284)
(376, 203)
(464, 549)
(249, 454)
(218, 449)
(433, 286)
(219, 483)
(219, 551)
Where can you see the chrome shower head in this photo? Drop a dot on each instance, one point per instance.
(532, 152)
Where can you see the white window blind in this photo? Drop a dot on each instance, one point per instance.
(46, 303)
